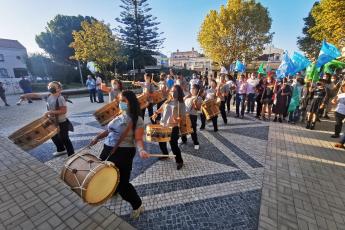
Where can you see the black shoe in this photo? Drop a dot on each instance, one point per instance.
(202, 127)
(327, 117)
(215, 130)
(275, 119)
(242, 116)
(312, 126)
(237, 116)
(335, 136)
(179, 166)
(308, 125)
(29, 101)
(7, 104)
(280, 120)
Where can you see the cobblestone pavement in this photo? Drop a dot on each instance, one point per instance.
(283, 175)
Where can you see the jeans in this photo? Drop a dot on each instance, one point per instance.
(173, 144)
(251, 102)
(61, 139)
(228, 100)
(123, 159)
(338, 123)
(150, 109)
(240, 99)
(223, 112)
(92, 94)
(100, 96)
(295, 115)
(193, 119)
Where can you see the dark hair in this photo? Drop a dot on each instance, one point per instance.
(214, 81)
(196, 86)
(148, 75)
(180, 93)
(133, 107)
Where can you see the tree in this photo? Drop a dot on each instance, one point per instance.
(139, 32)
(238, 31)
(96, 43)
(56, 39)
(307, 43)
(329, 18)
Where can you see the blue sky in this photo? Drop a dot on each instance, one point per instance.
(180, 19)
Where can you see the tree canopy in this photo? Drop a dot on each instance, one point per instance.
(96, 43)
(239, 30)
(139, 32)
(56, 39)
(329, 18)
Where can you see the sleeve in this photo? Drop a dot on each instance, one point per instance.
(62, 101)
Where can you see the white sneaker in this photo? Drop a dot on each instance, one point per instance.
(179, 141)
(136, 213)
(196, 147)
(56, 154)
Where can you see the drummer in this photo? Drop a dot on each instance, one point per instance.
(162, 86)
(210, 93)
(148, 89)
(57, 109)
(125, 133)
(223, 94)
(116, 88)
(172, 111)
(193, 104)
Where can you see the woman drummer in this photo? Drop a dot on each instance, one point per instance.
(211, 93)
(162, 85)
(173, 110)
(148, 89)
(116, 88)
(125, 133)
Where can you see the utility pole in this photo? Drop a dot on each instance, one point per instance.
(81, 75)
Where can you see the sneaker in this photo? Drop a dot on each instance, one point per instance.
(136, 213)
(196, 147)
(29, 102)
(56, 154)
(335, 136)
(280, 120)
(18, 103)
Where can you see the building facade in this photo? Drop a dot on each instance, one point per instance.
(13, 57)
(271, 57)
(191, 60)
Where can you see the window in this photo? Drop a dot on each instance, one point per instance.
(20, 72)
(2, 57)
(3, 72)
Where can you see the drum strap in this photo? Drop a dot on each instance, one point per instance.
(122, 137)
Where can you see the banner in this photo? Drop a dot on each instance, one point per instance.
(300, 62)
(240, 67)
(286, 67)
(328, 53)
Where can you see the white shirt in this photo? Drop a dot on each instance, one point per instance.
(341, 104)
(98, 82)
(252, 83)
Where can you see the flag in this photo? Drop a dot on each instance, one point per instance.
(312, 73)
(261, 69)
(232, 68)
(240, 67)
(333, 65)
(300, 62)
(286, 67)
(328, 53)
(295, 99)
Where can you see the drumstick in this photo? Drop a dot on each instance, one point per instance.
(162, 155)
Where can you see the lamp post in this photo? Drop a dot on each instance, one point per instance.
(81, 75)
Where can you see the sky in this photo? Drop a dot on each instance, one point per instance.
(180, 19)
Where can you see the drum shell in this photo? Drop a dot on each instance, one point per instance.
(35, 133)
(158, 133)
(84, 176)
(186, 125)
(143, 101)
(107, 113)
(157, 96)
(210, 108)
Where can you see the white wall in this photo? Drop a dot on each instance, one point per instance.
(11, 61)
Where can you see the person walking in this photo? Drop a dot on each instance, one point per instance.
(25, 85)
(241, 93)
(339, 100)
(91, 86)
(2, 94)
(99, 89)
(252, 83)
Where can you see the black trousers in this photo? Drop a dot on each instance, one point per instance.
(173, 144)
(193, 119)
(222, 111)
(213, 119)
(123, 159)
(338, 123)
(92, 94)
(150, 109)
(3, 98)
(258, 105)
(62, 141)
(228, 100)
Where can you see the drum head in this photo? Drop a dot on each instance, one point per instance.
(102, 185)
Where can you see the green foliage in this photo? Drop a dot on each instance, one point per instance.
(239, 30)
(139, 32)
(58, 36)
(307, 43)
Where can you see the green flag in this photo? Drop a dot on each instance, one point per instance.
(294, 99)
(312, 73)
(333, 65)
(261, 69)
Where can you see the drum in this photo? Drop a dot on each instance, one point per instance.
(158, 133)
(210, 108)
(186, 125)
(93, 180)
(107, 113)
(142, 98)
(157, 96)
(35, 133)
